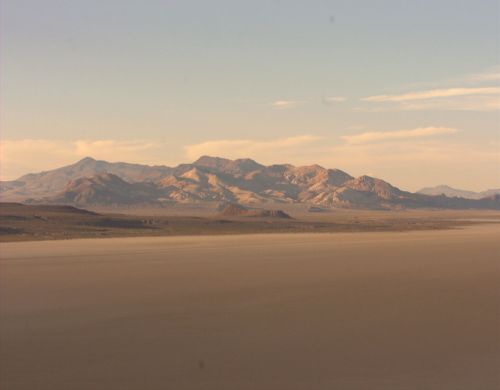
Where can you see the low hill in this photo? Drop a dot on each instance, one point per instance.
(236, 210)
(454, 192)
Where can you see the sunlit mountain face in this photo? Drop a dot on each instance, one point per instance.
(212, 179)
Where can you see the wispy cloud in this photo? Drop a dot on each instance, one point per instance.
(412, 162)
(465, 103)
(259, 149)
(374, 136)
(476, 103)
(420, 162)
(492, 74)
(111, 147)
(448, 99)
(284, 104)
(473, 92)
(434, 93)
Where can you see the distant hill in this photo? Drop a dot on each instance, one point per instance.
(236, 210)
(454, 192)
(91, 182)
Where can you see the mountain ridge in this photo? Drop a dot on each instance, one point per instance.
(91, 182)
(449, 191)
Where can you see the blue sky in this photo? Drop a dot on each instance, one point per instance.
(278, 81)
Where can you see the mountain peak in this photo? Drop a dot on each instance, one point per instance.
(210, 160)
(86, 160)
(228, 166)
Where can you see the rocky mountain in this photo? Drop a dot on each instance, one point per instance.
(105, 188)
(49, 183)
(454, 192)
(240, 166)
(91, 182)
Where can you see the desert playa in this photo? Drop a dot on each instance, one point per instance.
(249, 195)
(369, 310)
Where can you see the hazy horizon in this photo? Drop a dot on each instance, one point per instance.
(404, 91)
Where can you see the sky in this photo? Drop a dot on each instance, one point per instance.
(407, 91)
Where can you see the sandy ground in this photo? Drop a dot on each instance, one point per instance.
(402, 311)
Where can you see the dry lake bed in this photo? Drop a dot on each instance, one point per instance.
(379, 310)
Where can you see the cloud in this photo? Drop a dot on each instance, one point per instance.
(466, 103)
(476, 103)
(258, 149)
(374, 136)
(434, 93)
(492, 74)
(429, 151)
(106, 148)
(20, 156)
(415, 158)
(473, 92)
(449, 99)
(414, 163)
(284, 104)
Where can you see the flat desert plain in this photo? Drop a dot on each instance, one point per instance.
(379, 310)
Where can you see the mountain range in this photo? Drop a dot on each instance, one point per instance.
(91, 182)
(454, 192)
